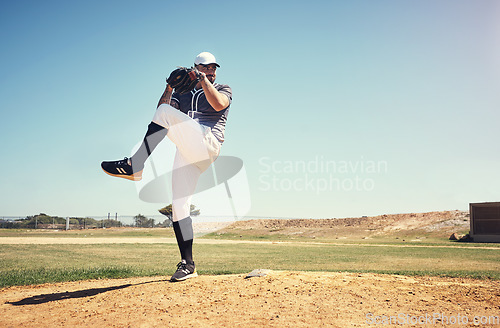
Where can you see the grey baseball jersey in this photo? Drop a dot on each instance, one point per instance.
(195, 105)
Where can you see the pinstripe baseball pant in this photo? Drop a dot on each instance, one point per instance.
(197, 149)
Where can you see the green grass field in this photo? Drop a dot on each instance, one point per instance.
(35, 264)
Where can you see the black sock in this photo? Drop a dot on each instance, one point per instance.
(184, 234)
(155, 134)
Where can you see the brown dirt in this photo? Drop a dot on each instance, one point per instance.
(281, 299)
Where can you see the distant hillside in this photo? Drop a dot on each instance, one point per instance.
(441, 223)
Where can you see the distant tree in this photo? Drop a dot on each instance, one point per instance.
(89, 222)
(109, 223)
(143, 222)
(45, 221)
(139, 220)
(42, 219)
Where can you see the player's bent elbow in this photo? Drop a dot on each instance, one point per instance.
(222, 104)
(221, 107)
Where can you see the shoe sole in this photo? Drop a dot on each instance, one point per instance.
(192, 275)
(135, 177)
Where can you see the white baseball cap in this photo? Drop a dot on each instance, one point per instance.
(205, 58)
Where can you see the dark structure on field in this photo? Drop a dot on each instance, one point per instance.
(485, 222)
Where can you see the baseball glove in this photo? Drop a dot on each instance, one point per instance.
(184, 79)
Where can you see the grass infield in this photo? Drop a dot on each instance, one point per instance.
(36, 264)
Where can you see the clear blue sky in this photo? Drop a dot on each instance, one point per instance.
(340, 108)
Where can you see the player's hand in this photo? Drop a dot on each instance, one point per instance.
(203, 76)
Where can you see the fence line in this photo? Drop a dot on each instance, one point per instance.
(106, 221)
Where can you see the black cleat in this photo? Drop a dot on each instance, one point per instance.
(184, 271)
(122, 169)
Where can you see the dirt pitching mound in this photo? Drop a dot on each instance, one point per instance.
(280, 299)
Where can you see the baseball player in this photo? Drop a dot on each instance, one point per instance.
(194, 120)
